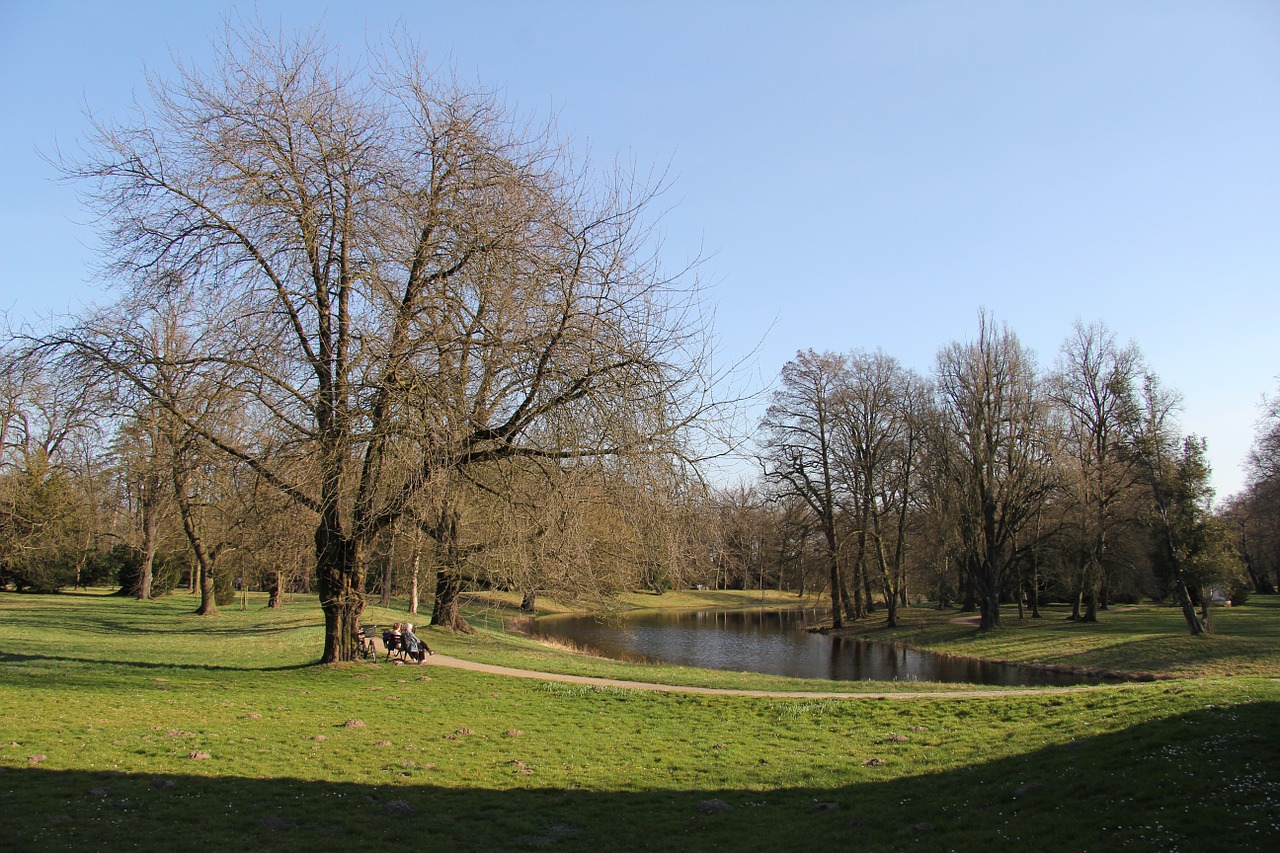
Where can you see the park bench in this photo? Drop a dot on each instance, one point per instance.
(394, 646)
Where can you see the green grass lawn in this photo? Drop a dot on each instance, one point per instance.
(1144, 640)
(127, 725)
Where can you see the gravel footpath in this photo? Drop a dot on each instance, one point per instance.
(458, 663)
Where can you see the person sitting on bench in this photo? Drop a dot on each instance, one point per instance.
(413, 645)
(393, 640)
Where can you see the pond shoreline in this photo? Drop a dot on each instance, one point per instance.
(782, 641)
(860, 631)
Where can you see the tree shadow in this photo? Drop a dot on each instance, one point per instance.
(1205, 780)
(14, 658)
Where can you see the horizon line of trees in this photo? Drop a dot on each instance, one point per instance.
(991, 481)
(987, 483)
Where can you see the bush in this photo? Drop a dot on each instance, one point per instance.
(224, 588)
(1238, 593)
(166, 571)
(38, 575)
(106, 568)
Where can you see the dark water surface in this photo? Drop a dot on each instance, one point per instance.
(776, 642)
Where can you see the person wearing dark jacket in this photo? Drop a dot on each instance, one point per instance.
(413, 645)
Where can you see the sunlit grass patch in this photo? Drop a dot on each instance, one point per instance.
(1146, 640)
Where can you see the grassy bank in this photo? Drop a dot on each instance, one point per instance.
(1143, 640)
(140, 725)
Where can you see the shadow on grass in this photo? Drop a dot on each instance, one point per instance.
(9, 657)
(1205, 780)
(81, 611)
(1153, 653)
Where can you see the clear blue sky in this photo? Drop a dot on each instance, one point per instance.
(859, 174)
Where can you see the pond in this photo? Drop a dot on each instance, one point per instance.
(776, 642)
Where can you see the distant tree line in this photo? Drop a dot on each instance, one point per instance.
(988, 482)
(992, 481)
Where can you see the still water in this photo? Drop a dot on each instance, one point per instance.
(776, 642)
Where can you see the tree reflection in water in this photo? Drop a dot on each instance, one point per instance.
(777, 642)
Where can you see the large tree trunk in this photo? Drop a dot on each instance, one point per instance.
(886, 577)
(989, 577)
(891, 605)
(968, 581)
(854, 609)
(150, 536)
(445, 613)
(837, 577)
(990, 613)
(208, 594)
(1090, 599)
(868, 597)
(385, 598)
(1093, 574)
(341, 581)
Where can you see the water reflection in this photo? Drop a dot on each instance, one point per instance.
(776, 642)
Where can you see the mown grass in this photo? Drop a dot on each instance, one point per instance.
(108, 708)
(1145, 639)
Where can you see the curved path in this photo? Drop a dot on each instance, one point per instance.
(459, 663)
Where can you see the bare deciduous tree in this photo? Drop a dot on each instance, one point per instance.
(1001, 459)
(1093, 388)
(881, 412)
(404, 282)
(800, 450)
